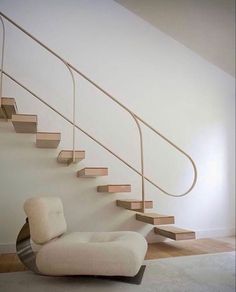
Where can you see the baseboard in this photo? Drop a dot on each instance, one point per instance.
(213, 233)
(7, 247)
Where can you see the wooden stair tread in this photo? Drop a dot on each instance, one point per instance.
(66, 156)
(174, 232)
(173, 229)
(132, 200)
(24, 123)
(155, 219)
(118, 185)
(47, 139)
(132, 204)
(8, 107)
(118, 188)
(154, 215)
(92, 172)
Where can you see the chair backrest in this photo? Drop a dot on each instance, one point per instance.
(46, 218)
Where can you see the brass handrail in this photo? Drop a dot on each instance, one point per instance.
(134, 116)
(86, 133)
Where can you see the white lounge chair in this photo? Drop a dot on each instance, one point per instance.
(113, 255)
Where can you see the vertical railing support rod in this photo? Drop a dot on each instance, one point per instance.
(2, 59)
(73, 113)
(141, 162)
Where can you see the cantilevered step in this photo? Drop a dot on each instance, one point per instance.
(92, 172)
(8, 107)
(66, 156)
(132, 204)
(24, 123)
(155, 219)
(114, 189)
(47, 140)
(174, 232)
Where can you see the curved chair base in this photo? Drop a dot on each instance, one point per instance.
(137, 279)
(24, 249)
(28, 257)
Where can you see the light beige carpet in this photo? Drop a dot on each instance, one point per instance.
(201, 273)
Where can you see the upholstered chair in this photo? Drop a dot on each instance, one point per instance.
(118, 255)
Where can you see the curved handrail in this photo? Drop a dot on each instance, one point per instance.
(134, 116)
(88, 135)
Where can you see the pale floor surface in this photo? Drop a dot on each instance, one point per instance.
(197, 273)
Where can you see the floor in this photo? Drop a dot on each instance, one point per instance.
(190, 247)
(10, 262)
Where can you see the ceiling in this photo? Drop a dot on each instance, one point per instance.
(205, 26)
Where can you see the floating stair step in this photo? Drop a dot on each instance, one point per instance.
(47, 140)
(24, 123)
(8, 107)
(174, 232)
(66, 156)
(155, 219)
(132, 204)
(92, 172)
(114, 189)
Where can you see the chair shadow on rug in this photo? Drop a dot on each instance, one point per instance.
(107, 255)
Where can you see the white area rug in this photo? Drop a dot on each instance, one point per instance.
(202, 273)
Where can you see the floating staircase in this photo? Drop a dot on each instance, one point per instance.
(47, 140)
(24, 123)
(27, 123)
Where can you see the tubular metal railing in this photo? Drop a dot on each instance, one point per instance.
(134, 116)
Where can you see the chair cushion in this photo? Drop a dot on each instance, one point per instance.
(46, 218)
(93, 253)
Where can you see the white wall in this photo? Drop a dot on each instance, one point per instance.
(205, 26)
(178, 92)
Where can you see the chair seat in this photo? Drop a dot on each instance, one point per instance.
(93, 253)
